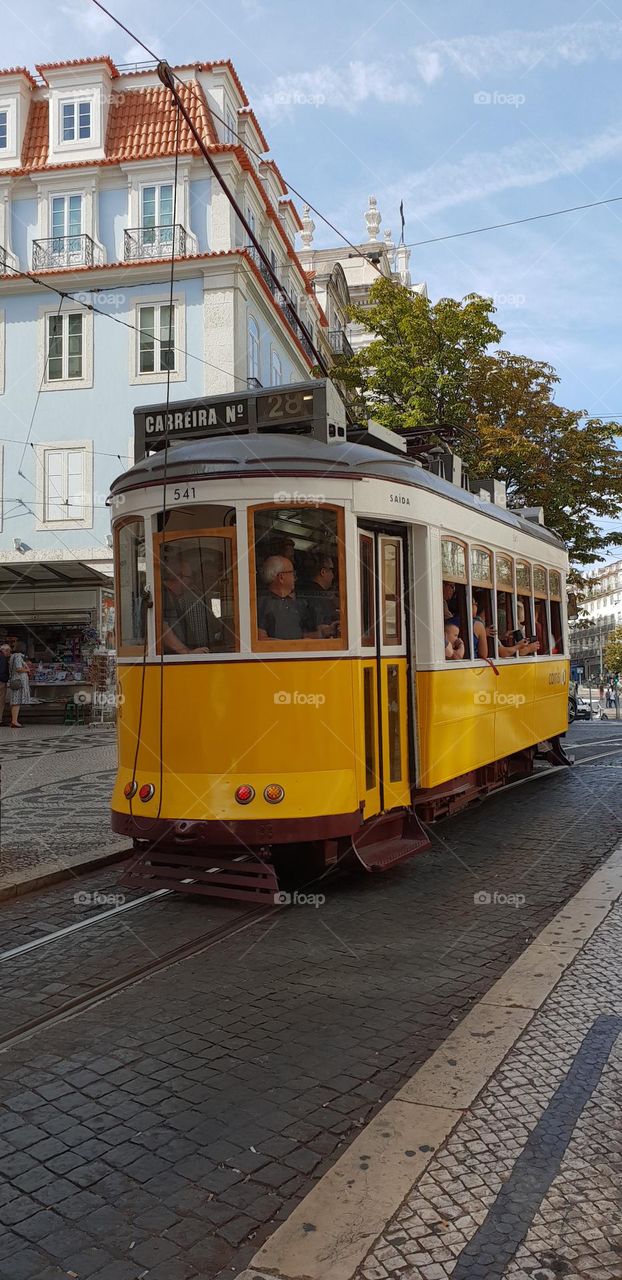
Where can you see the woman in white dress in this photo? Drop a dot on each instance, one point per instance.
(19, 686)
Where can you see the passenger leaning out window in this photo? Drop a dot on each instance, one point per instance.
(480, 637)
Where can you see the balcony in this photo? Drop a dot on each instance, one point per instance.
(294, 324)
(65, 252)
(154, 242)
(339, 344)
(3, 259)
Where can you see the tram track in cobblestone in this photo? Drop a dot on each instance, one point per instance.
(79, 1004)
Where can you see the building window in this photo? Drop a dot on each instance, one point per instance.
(65, 484)
(157, 211)
(276, 370)
(230, 126)
(156, 340)
(157, 349)
(4, 130)
(76, 121)
(66, 222)
(253, 349)
(65, 348)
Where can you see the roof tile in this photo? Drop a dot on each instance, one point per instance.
(77, 62)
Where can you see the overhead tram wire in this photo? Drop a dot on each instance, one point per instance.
(167, 439)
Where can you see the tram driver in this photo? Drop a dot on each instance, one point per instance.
(188, 623)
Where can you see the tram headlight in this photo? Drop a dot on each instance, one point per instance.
(146, 791)
(130, 789)
(274, 793)
(245, 793)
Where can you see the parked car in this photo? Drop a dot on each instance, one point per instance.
(585, 710)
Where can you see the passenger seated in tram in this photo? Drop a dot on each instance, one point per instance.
(449, 600)
(454, 646)
(319, 593)
(280, 614)
(480, 632)
(188, 623)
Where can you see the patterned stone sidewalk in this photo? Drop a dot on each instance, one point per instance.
(529, 1186)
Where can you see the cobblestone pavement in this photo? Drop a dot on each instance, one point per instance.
(528, 1185)
(56, 786)
(166, 1131)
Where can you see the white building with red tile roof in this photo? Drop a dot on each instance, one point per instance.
(94, 205)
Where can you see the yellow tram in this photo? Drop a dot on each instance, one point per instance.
(286, 694)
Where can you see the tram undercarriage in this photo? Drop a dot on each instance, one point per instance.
(258, 861)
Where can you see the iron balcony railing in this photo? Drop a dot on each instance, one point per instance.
(339, 344)
(294, 323)
(154, 242)
(65, 251)
(284, 303)
(3, 258)
(254, 384)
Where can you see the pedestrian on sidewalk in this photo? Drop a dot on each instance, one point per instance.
(5, 654)
(19, 686)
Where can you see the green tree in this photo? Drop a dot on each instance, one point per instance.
(613, 652)
(430, 367)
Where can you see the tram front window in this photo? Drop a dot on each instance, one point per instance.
(131, 583)
(197, 603)
(298, 584)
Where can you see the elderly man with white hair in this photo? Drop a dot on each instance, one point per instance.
(280, 615)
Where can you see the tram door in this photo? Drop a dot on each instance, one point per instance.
(384, 672)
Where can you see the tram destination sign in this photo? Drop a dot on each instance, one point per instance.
(312, 408)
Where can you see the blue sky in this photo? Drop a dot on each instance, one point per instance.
(472, 113)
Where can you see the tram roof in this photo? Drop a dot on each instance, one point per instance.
(233, 454)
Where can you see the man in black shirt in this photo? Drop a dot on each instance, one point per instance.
(320, 595)
(280, 615)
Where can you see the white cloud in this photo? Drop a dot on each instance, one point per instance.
(520, 51)
(485, 173)
(345, 87)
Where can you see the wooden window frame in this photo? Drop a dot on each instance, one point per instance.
(451, 577)
(481, 582)
(178, 535)
(500, 585)
(340, 643)
(522, 590)
(392, 540)
(555, 596)
(127, 650)
(540, 595)
(367, 641)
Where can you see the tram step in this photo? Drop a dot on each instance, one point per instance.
(238, 876)
(389, 841)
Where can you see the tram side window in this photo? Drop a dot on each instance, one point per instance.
(524, 607)
(131, 575)
(198, 600)
(456, 612)
(542, 622)
(299, 581)
(505, 601)
(557, 630)
(483, 610)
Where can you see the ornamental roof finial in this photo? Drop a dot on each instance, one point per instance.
(373, 219)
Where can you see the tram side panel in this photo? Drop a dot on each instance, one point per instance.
(470, 716)
(233, 723)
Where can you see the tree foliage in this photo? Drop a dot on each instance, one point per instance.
(430, 367)
(613, 652)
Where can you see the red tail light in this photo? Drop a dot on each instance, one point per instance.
(146, 791)
(245, 794)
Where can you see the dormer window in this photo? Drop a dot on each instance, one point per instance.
(4, 130)
(76, 121)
